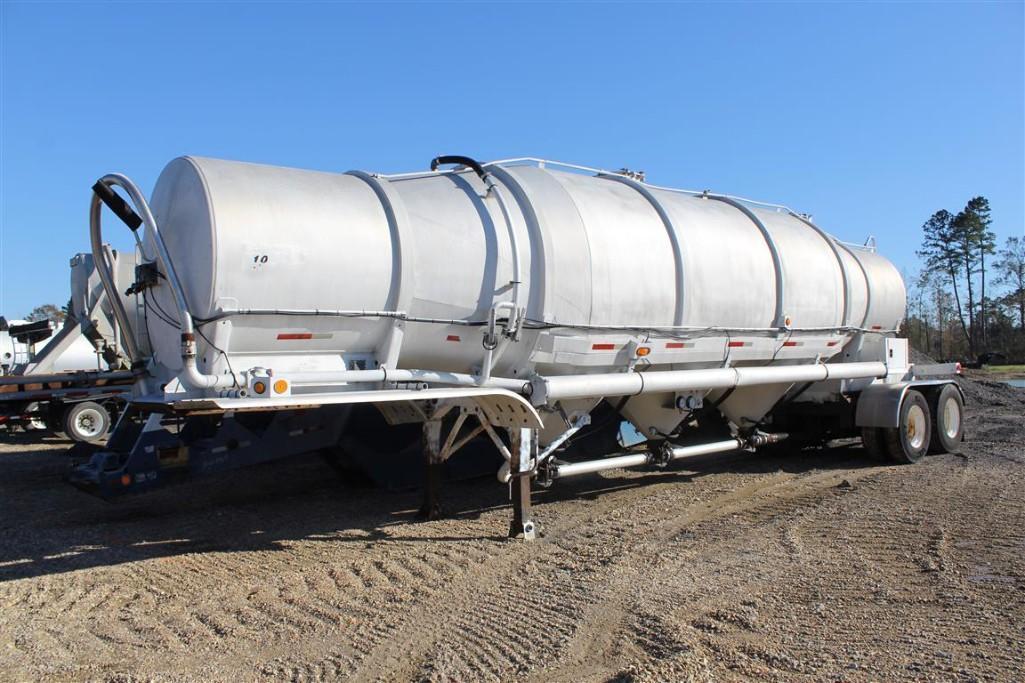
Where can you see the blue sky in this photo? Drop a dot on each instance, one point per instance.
(869, 116)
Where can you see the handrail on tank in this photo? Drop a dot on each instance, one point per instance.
(542, 163)
(191, 376)
(601, 171)
(869, 245)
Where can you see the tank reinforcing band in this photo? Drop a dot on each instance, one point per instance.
(864, 275)
(402, 241)
(538, 289)
(494, 349)
(674, 237)
(777, 264)
(845, 316)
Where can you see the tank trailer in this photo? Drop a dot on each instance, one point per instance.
(532, 304)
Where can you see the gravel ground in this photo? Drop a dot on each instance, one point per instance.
(818, 566)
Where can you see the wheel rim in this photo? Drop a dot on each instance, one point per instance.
(916, 427)
(89, 423)
(951, 418)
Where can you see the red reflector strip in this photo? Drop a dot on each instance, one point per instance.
(877, 327)
(791, 343)
(453, 337)
(676, 345)
(295, 335)
(735, 344)
(603, 347)
(832, 343)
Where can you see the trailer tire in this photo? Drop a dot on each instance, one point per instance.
(874, 442)
(86, 422)
(909, 441)
(947, 409)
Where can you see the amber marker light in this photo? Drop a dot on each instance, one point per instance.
(280, 387)
(259, 387)
(643, 351)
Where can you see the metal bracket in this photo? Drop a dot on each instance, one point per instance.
(576, 424)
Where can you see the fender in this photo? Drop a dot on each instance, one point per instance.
(879, 404)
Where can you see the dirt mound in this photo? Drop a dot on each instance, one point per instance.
(919, 358)
(988, 394)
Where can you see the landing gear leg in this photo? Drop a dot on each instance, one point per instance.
(431, 508)
(521, 447)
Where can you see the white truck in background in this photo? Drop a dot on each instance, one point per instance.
(72, 378)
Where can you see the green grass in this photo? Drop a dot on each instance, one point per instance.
(1003, 370)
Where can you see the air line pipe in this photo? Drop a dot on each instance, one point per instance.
(320, 379)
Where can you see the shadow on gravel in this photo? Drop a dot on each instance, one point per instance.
(32, 438)
(49, 527)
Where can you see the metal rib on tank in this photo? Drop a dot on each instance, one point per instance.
(868, 284)
(777, 263)
(519, 193)
(674, 238)
(844, 318)
(395, 212)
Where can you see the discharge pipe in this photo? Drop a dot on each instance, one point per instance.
(665, 453)
(575, 469)
(546, 390)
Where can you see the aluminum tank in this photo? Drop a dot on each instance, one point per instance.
(606, 263)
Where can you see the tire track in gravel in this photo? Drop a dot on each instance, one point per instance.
(514, 602)
(184, 621)
(457, 577)
(892, 574)
(447, 573)
(646, 564)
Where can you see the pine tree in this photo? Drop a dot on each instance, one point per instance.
(943, 251)
(1011, 268)
(983, 240)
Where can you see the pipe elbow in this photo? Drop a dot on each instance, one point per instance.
(192, 378)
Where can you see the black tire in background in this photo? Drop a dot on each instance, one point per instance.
(947, 408)
(909, 441)
(86, 422)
